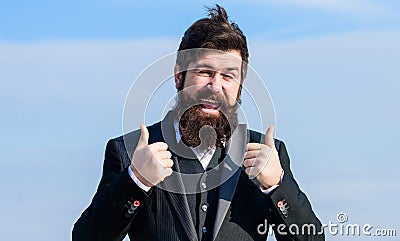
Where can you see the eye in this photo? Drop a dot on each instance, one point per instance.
(229, 77)
(204, 73)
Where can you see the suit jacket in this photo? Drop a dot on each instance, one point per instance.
(120, 207)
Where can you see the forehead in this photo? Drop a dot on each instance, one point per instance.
(218, 60)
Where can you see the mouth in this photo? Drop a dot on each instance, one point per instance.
(209, 106)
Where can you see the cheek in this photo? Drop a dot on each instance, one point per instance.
(189, 82)
(232, 93)
(191, 87)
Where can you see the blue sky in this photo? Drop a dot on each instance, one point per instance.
(66, 67)
(124, 19)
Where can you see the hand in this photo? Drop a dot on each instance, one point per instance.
(151, 163)
(262, 161)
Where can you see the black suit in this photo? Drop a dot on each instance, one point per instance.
(120, 207)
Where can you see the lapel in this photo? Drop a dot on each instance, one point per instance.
(180, 205)
(232, 163)
(174, 182)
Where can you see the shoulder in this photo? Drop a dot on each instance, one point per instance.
(131, 139)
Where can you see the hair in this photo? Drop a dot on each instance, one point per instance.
(215, 32)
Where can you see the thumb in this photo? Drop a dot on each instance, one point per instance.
(269, 137)
(144, 135)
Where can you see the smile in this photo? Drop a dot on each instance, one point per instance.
(209, 107)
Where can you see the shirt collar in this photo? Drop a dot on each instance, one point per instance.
(178, 134)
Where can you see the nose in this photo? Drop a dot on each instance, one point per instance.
(215, 82)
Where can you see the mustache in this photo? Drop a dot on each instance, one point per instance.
(205, 95)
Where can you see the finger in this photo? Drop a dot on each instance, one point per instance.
(251, 172)
(255, 162)
(253, 146)
(251, 154)
(159, 146)
(269, 137)
(168, 163)
(249, 162)
(164, 155)
(144, 136)
(167, 172)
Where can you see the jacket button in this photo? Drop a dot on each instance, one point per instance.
(204, 229)
(204, 185)
(204, 208)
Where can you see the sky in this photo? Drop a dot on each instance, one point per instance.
(66, 68)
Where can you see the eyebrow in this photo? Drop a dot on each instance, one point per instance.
(207, 66)
(232, 69)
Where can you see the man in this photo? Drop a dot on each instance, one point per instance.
(199, 174)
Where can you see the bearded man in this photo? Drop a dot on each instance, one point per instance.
(198, 174)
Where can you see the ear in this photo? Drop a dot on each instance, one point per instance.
(178, 77)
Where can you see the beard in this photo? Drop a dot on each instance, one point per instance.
(205, 130)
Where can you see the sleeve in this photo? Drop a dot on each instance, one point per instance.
(294, 218)
(137, 181)
(115, 203)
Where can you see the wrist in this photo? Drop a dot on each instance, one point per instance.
(140, 177)
(277, 181)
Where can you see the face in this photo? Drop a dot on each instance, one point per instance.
(214, 72)
(208, 98)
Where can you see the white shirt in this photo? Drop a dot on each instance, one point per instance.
(204, 158)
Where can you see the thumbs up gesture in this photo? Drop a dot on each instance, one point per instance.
(262, 161)
(151, 163)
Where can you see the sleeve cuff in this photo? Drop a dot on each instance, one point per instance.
(136, 180)
(270, 189)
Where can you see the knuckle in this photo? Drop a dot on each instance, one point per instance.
(169, 172)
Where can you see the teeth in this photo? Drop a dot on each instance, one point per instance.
(209, 101)
(208, 106)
